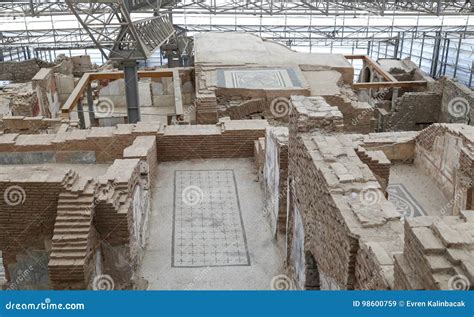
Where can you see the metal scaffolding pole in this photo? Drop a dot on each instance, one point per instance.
(131, 91)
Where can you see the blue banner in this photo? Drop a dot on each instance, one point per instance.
(237, 303)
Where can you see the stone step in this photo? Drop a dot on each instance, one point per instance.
(70, 237)
(72, 224)
(75, 199)
(68, 248)
(75, 213)
(70, 244)
(75, 218)
(67, 255)
(77, 230)
(66, 263)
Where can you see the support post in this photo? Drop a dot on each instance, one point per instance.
(131, 90)
(80, 114)
(90, 105)
(435, 58)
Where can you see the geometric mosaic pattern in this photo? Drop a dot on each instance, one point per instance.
(207, 222)
(404, 202)
(258, 78)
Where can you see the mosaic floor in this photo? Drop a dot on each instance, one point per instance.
(258, 78)
(405, 203)
(207, 221)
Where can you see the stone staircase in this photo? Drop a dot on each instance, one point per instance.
(70, 245)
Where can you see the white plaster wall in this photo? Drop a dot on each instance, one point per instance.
(271, 178)
(441, 163)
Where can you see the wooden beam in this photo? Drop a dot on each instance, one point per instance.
(76, 94)
(386, 84)
(386, 75)
(141, 74)
(83, 83)
(355, 56)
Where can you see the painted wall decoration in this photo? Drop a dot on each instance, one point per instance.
(271, 175)
(139, 210)
(297, 249)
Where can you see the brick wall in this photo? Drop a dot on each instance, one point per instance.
(436, 254)
(378, 163)
(230, 139)
(414, 111)
(346, 218)
(28, 208)
(21, 71)
(438, 152)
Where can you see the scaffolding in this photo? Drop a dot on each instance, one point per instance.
(437, 35)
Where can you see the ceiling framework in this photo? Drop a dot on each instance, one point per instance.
(263, 7)
(105, 25)
(111, 28)
(357, 24)
(257, 16)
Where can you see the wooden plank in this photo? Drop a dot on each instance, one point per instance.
(155, 74)
(355, 56)
(141, 74)
(387, 84)
(76, 94)
(81, 86)
(386, 75)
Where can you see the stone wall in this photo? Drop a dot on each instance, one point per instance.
(228, 139)
(246, 108)
(378, 163)
(44, 83)
(20, 99)
(33, 125)
(414, 111)
(105, 144)
(397, 146)
(457, 103)
(438, 152)
(121, 219)
(144, 148)
(21, 72)
(346, 218)
(438, 254)
(27, 217)
(315, 113)
(358, 116)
